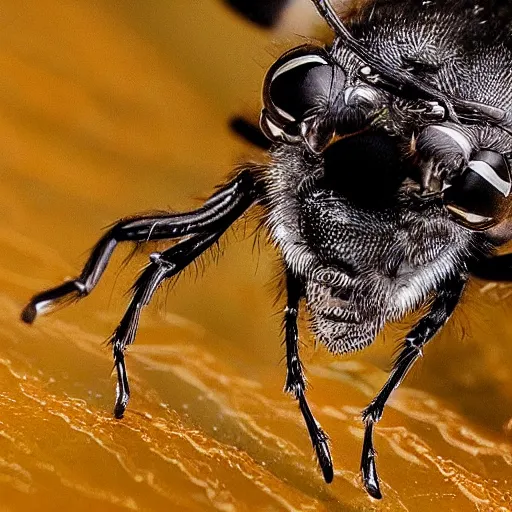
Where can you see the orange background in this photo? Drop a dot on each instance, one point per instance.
(107, 109)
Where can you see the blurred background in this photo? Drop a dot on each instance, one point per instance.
(113, 108)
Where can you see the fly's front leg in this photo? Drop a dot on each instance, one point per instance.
(231, 198)
(442, 307)
(295, 382)
(198, 229)
(164, 265)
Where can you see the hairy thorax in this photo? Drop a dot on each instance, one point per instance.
(363, 264)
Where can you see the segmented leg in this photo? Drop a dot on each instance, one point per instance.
(441, 309)
(199, 229)
(227, 204)
(163, 266)
(295, 382)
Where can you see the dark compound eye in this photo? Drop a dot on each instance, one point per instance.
(299, 85)
(480, 197)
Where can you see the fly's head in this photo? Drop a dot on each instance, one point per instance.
(379, 191)
(389, 82)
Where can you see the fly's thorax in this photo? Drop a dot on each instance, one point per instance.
(366, 249)
(363, 266)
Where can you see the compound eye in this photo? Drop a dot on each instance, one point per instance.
(481, 196)
(299, 85)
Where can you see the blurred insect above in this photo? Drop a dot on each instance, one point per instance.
(388, 186)
(266, 13)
